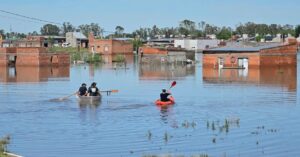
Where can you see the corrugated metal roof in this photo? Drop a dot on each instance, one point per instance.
(245, 49)
(79, 35)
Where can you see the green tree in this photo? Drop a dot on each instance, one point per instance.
(136, 43)
(34, 33)
(2, 33)
(168, 32)
(67, 27)
(211, 29)
(297, 31)
(119, 31)
(50, 29)
(225, 33)
(187, 27)
(93, 27)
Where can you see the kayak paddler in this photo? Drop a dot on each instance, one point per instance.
(164, 95)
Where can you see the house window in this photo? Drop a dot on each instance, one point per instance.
(105, 48)
(98, 47)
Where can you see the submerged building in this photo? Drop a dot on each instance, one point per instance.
(32, 56)
(109, 46)
(164, 55)
(251, 56)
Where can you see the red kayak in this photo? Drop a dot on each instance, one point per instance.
(162, 103)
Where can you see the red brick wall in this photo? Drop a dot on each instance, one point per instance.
(277, 60)
(285, 49)
(101, 46)
(29, 56)
(109, 46)
(153, 50)
(211, 60)
(122, 47)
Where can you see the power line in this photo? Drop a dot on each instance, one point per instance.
(31, 18)
(24, 20)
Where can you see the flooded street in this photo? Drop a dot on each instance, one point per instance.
(251, 112)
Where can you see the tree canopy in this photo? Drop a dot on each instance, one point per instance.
(50, 29)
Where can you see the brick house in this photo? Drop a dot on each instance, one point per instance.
(32, 56)
(150, 54)
(251, 57)
(109, 46)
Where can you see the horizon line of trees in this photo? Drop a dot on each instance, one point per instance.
(186, 28)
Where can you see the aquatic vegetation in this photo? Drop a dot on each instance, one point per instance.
(166, 137)
(3, 145)
(93, 58)
(119, 58)
(213, 126)
(214, 140)
(149, 135)
(207, 124)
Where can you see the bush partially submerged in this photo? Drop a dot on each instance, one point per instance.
(119, 58)
(3, 145)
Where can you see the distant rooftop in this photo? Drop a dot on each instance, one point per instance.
(123, 39)
(78, 35)
(245, 47)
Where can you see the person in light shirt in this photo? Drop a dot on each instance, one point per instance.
(93, 90)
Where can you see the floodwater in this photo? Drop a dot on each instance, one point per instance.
(252, 112)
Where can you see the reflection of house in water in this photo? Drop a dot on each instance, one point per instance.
(272, 76)
(165, 71)
(109, 59)
(33, 73)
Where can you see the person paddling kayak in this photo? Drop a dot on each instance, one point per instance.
(164, 95)
(93, 90)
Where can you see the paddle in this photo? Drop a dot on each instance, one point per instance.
(63, 98)
(172, 85)
(108, 92)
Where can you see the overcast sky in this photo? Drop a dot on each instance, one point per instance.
(132, 14)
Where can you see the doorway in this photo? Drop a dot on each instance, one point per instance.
(221, 62)
(12, 60)
(243, 63)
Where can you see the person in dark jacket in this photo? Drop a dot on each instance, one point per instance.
(93, 90)
(82, 91)
(164, 95)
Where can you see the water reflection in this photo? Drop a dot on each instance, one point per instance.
(269, 76)
(153, 71)
(167, 115)
(33, 73)
(88, 111)
(110, 59)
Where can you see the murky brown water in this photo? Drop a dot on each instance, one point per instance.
(250, 112)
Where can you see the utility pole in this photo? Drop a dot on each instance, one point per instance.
(9, 36)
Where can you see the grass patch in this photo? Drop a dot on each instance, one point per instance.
(93, 58)
(119, 58)
(76, 54)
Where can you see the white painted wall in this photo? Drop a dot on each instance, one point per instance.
(192, 44)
